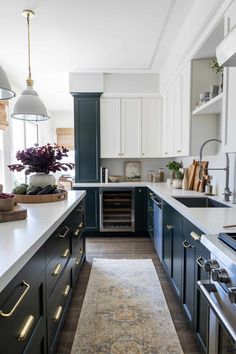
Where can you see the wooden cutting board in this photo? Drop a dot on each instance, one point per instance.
(197, 185)
(18, 213)
(191, 174)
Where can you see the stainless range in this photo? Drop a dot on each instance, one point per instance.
(220, 292)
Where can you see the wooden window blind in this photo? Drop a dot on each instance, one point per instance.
(3, 114)
(65, 137)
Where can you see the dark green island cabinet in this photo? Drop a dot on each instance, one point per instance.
(183, 259)
(33, 305)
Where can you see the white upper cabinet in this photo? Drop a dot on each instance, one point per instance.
(229, 107)
(110, 128)
(131, 127)
(176, 118)
(151, 127)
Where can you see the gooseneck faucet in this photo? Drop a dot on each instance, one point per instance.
(227, 192)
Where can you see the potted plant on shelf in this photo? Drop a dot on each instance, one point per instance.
(41, 160)
(176, 175)
(218, 70)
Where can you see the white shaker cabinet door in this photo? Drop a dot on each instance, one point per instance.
(178, 118)
(152, 127)
(168, 123)
(131, 127)
(110, 128)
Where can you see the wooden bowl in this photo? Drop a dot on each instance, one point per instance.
(7, 204)
(115, 178)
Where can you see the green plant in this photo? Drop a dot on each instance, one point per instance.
(173, 166)
(213, 64)
(179, 175)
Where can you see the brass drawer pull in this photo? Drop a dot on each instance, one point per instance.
(57, 314)
(195, 236)
(65, 233)
(65, 254)
(66, 291)
(169, 227)
(77, 232)
(186, 244)
(80, 209)
(77, 261)
(200, 261)
(9, 314)
(26, 328)
(81, 251)
(57, 270)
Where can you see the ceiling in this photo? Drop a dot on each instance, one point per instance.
(86, 35)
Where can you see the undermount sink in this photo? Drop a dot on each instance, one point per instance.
(200, 202)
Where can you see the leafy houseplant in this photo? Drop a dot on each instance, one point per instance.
(217, 69)
(176, 174)
(42, 159)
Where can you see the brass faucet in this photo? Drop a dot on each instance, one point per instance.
(227, 192)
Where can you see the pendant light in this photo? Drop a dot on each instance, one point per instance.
(29, 107)
(5, 88)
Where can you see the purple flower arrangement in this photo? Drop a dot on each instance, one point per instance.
(42, 159)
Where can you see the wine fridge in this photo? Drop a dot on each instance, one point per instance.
(117, 210)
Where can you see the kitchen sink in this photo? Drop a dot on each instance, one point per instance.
(200, 202)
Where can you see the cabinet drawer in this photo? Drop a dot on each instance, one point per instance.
(193, 233)
(55, 243)
(28, 299)
(55, 267)
(37, 342)
(78, 256)
(58, 302)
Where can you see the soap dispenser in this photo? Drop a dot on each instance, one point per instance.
(208, 189)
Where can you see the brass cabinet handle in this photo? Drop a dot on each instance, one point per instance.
(66, 290)
(80, 209)
(26, 328)
(57, 270)
(81, 251)
(9, 314)
(195, 236)
(200, 261)
(57, 314)
(169, 227)
(77, 232)
(186, 244)
(65, 254)
(77, 261)
(65, 233)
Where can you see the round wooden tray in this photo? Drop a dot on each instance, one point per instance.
(43, 198)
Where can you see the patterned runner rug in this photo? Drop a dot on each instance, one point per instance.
(124, 311)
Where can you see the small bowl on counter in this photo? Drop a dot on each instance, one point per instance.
(6, 202)
(114, 178)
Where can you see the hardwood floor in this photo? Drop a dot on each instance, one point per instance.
(123, 247)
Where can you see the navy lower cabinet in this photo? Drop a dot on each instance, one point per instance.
(194, 304)
(140, 210)
(150, 212)
(172, 246)
(91, 213)
(87, 136)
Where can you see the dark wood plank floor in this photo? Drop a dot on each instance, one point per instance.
(123, 247)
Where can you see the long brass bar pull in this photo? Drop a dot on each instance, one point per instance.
(9, 314)
(57, 314)
(56, 270)
(66, 291)
(26, 328)
(65, 233)
(195, 236)
(65, 254)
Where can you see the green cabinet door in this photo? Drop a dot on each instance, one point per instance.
(91, 215)
(87, 136)
(140, 209)
(150, 212)
(177, 250)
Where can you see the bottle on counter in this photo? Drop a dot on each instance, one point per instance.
(208, 188)
(161, 174)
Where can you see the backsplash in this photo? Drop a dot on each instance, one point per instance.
(117, 166)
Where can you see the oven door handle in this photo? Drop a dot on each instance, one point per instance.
(206, 289)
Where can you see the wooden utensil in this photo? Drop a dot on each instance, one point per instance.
(197, 181)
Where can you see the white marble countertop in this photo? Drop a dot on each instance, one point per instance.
(20, 240)
(209, 220)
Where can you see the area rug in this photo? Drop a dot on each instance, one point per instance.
(124, 311)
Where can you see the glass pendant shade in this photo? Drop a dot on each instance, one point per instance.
(5, 88)
(29, 106)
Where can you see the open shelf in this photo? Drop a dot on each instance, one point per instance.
(214, 106)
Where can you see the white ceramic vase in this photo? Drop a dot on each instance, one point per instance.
(41, 179)
(177, 183)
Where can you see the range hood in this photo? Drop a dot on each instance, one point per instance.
(226, 50)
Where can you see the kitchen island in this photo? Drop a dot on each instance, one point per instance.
(40, 259)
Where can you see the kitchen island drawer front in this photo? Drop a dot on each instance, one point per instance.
(38, 340)
(56, 266)
(56, 242)
(57, 305)
(78, 257)
(28, 299)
